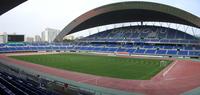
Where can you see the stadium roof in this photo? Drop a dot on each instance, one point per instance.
(132, 11)
(6, 5)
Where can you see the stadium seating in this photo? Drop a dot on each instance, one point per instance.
(145, 40)
(161, 52)
(150, 51)
(140, 51)
(172, 52)
(12, 85)
(131, 32)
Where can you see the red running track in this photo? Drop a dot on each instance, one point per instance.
(178, 77)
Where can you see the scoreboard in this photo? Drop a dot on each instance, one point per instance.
(15, 38)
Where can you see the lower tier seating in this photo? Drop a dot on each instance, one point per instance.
(138, 48)
(12, 85)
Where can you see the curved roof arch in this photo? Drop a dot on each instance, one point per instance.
(132, 11)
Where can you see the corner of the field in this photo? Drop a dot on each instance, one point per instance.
(161, 75)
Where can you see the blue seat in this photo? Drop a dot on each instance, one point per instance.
(171, 52)
(162, 52)
(168, 47)
(148, 46)
(112, 49)
(76, 48)
(194, 41)
(19, 49)
(90, 48)
(97, 48)
(41, 48)
(104, 49)
(70, 47)
(174, 41)
(188, 48)
(164, 41)
(48, 48)
(140, 51)
(130, 51)
(150, 51)
(121, 50)
(62, 48)
(2, 45)
(26, 48)
(194, 53)
(184, 41)
(33, 48)
(184, 53)
(11, 49)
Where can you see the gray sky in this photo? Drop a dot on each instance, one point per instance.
(33, 16)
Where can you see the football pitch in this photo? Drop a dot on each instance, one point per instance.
(109, 66)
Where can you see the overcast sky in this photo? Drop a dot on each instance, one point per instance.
(33, 16)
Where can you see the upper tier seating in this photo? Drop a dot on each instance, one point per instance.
(142, 34)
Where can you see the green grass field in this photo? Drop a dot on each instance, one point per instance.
(117, 67)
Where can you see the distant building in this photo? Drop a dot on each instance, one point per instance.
(38, 38)
(43, 36)
(49, 34)
(2, 37)
(29, 39)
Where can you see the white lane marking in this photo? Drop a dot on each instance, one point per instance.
(90, 79)
(169, 69)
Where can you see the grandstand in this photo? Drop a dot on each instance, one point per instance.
(12, 85)
(135, 40)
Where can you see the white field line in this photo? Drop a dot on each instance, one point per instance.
(169, 69)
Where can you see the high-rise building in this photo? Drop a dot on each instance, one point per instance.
(38, 38)
(49, 34)
(43, 36)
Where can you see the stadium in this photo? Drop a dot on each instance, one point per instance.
(147, 55)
